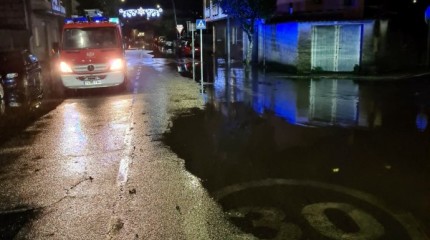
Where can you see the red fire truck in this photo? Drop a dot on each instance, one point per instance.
(91, 54)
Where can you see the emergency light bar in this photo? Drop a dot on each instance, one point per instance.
(76, 20)
(99, 19)
(86, 20)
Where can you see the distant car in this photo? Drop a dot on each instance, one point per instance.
(158, 42)
(21, 77)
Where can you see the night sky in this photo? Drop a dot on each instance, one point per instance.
(167, 4)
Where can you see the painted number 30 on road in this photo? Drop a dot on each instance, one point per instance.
(300, 209)
(369, 227)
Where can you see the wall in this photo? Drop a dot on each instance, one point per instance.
(368, 51)
(290, 44)
(355, 10)
(278, 43)
(46, 31)
(13, 15)
(13, 24)
(14, 39)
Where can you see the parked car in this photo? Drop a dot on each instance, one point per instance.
(168, 46)
(21, 77)
(2, 102)
(158, 42)
(185, 49)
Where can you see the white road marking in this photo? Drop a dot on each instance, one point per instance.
(370, 228)
(411, 225)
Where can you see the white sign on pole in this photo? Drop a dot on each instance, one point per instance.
(179, 27)
(192, 27)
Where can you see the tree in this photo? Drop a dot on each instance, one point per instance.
(247, 12)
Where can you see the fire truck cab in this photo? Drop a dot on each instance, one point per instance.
(91, 54)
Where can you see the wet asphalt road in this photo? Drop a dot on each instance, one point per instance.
(256, 156)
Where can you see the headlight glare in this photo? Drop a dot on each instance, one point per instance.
(65, 68)
(116, 64)
(11, 75)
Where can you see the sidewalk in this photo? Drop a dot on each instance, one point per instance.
(350, 76)
(389, 76)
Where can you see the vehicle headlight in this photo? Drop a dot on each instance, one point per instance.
(11, 75)
(65, 68)
(116, 64)
(10, 80)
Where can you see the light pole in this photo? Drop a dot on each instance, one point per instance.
(174, 14)
(427, 18)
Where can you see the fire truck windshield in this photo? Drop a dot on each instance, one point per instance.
(83, 38)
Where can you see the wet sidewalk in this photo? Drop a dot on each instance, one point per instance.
(421, 73)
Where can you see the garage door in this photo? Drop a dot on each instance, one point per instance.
(336, 48)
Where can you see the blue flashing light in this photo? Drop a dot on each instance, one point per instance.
(76, 20)
(99, 19)
(427, 14)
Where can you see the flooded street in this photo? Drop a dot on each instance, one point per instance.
(254, 156)
(312, 158)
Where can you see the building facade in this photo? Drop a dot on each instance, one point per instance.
(31, 24)
(307, 36)
(225, 35)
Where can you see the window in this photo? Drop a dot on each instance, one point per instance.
(81, 38)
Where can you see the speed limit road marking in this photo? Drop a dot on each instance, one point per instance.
(315, 214)
(369, 227)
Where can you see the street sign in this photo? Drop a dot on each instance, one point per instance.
(179, 27)
(192, 27)
(200, 24)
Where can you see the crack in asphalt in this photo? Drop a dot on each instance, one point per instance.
(22, 210)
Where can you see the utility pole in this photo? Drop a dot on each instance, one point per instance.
(427, 18)
(228, 41)
(174, 13)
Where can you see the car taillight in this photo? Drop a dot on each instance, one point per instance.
(116, 64)
(65, 68)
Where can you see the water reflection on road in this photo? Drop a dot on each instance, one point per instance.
(326, 102)
(271, 145)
